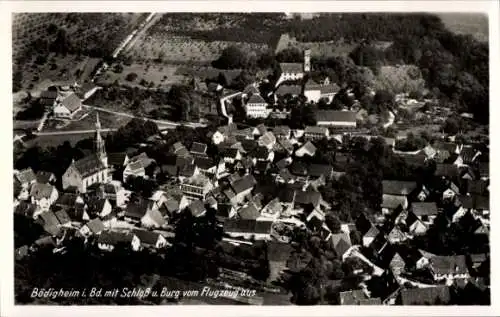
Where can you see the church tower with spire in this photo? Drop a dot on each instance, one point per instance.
(99, 143)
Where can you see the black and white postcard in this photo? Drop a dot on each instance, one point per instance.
(283, 154)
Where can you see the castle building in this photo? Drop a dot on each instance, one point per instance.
(295, 71)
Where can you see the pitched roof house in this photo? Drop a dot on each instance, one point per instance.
(25, 177)
(336, 119)
(341, 242)
(438, 295)
(307, 149)
(68, 107)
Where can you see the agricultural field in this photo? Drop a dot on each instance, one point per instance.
(182, 49)
(161, 75)
(318, 49)
(38, 74)
(467, 23)
(89, 33)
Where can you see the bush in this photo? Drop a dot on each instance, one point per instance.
(131, 77)
(33, 112)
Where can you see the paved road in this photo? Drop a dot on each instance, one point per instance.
(164, 123)
(71, 132)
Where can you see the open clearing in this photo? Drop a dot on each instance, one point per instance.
(467, 23)
(397, 79)
(55, 140)
(108, 121)
(162, 76)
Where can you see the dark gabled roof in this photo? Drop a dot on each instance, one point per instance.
(284, 162)
(335, 116)
(424, 209)
(250, 89)
(260, 152)
(95, 225)
(414, 159)
(445, 146)
(197, 208)
(475, 202)
(329, 89)
(317, 170)
(223, 210)
(281, 130)
(362, 224)
(446, 170)
(484, 169)
(426, 296)
(187, 170)
(247, 226)
(198, 148)
(66, 200)
(261, 166)
(25, 208)
(467, 153)
(137, 210)
(147, 237)
(115, 237)
(298, 168)
(477, 187)
(341, 242)
(307, 197)
(288, 89)
(230, 153)
(71, 102)
(49, 219)
(96, 205)
(398, 187)
(311, 84)
(392, 201)
(116, 158)
(44, 177)
(292, 67)
(249, 212)
(285, 174)
(39, 191)
(169, 169)
(25, 176)
(204, 163)
(249, 145)
(285, 144)
(62, 216)
(244, 183)
(256, 98)
(455, 264)
(49, 94)
(88, 165)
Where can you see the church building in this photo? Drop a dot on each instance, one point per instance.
(91, 169)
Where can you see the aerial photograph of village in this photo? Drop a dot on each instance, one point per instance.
(251, 158)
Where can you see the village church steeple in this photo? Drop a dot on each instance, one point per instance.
(99, 143)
